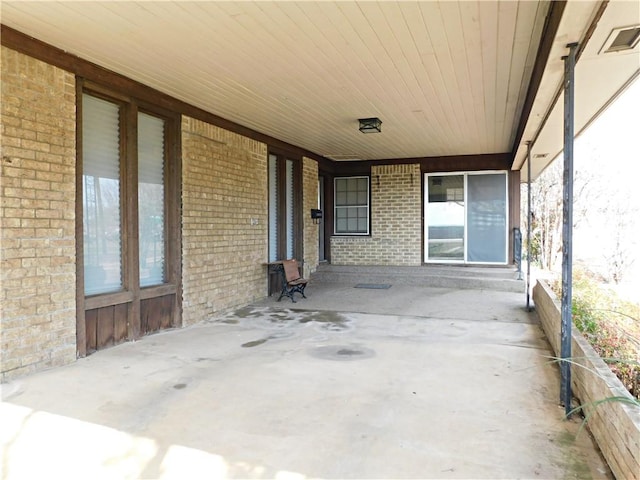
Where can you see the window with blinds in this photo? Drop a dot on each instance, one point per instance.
(283, 183)
(290, 209)
(273, 208)
(151, 199)
(101, 196)
(129, 211)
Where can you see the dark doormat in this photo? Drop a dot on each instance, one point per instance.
(374, 286)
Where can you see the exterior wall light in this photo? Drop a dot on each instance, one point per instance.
(370, 125)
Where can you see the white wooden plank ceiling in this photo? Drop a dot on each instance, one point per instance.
(446, 78)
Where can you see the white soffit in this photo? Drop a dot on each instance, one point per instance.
(599, 78)
(445, 78)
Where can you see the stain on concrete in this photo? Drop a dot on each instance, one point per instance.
(577, 467)
(342, 352)
(234, 317)
(281, 334)
(274, 336)
(255, 343)
(569, 454)
(180, 386)
(281, 318)
(349, 351)
(206, 359)
(332, 321)
(248, 312)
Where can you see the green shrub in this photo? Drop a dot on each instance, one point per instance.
(611, 325)
(584, 318)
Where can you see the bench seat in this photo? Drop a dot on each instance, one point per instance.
(292, 282)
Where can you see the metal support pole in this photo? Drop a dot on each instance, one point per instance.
(528, 225)
(567, 228)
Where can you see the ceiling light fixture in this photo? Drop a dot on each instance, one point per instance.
(370, 125)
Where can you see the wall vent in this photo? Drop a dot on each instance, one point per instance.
(623, 38)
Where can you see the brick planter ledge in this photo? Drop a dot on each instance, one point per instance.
(614, 425)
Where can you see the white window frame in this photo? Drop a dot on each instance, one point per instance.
(465, 175)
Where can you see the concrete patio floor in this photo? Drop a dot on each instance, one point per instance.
(407, 382)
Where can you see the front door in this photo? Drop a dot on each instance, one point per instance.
(466, 218)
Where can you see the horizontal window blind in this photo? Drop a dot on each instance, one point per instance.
(273, 208)
(101, 196)
(151, 218)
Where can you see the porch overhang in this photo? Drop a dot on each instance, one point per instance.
(600, 76)
(448, 79)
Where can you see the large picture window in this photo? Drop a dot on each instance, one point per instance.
(351, 206)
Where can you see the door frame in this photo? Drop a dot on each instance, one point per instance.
(425, 203)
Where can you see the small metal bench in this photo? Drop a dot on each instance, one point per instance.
(292, 282)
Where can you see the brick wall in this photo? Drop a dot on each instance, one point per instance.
(224, 217)
(37, 216)
(395, 221)
(224, 220)
(310, 200)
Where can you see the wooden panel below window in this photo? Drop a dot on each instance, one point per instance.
(275, 282)
(156, 313)
(91, 321)
(106, 326)
(121, 323)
